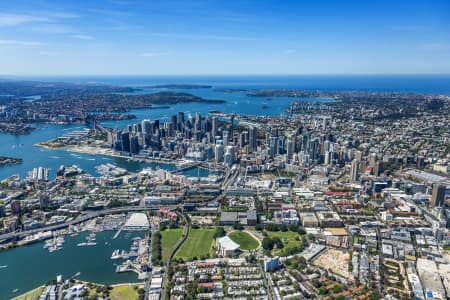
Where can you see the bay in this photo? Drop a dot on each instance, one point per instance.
(31, 266)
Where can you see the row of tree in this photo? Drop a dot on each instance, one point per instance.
(281, 227)
(156, 249)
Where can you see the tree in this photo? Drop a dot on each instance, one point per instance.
(219, 232)
(259, 227)
(272, 227)
(323, 290)
(267, 243)
(276, 241)
(238, 226)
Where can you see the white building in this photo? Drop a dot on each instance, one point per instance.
(137, 221)
(226, 246)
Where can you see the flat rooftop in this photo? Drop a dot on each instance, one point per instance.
(137, 220)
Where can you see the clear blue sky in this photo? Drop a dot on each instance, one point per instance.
(51, 37)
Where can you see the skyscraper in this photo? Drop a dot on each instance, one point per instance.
(218, 153)
(125, 138)
(252, 139)
(354, 170)
(134, 145)
(290, 148)
(213, 127)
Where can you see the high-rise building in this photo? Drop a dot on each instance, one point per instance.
(213, 127)
(273, 146)
(242, 139)
(218, 153)
(173, 121)
(225, 138)
(281, 142)
(181, 118)
(290, 148)
(231, 150)
(125, 138)
(438, 195)
(134, 145)
(147, 127)
(354, 170)
(252, 143)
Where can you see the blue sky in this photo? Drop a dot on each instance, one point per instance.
(107, 37)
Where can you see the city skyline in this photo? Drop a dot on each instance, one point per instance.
(175, 38)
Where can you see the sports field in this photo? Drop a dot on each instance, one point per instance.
(244, 239)
(197, 244)
(169, 238)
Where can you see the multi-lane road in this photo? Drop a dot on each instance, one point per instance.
(80, 219)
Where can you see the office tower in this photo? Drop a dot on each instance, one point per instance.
(229, 156)
(242, 139)
(213, 127)
(181, 117)
(125, 138)
(354, 169)
(232, 126)
(273, 145)
(198, 119)
(327, 157)
(218, 153)
(173, 121)
(326, 146)
(305, 142)
(146, 127)
(134, 145)
(232, 150)
(290, 147)
(281, 142)
(438, 195)
(324, 122)
(252, 139)
(225, 138)
(135, 128)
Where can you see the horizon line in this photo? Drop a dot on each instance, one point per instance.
(226, 74)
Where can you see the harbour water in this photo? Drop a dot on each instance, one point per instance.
(27, 267)
(236, 102)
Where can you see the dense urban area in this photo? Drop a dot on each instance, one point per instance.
(339, 199)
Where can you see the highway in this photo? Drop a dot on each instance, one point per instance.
(80, 219)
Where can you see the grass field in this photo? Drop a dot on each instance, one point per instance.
(245, 240)
(197, 244)
(169, 238)
(124, 292)
(288, 238)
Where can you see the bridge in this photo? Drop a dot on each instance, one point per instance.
(91, 120)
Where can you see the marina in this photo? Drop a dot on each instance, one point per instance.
(42, 266)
